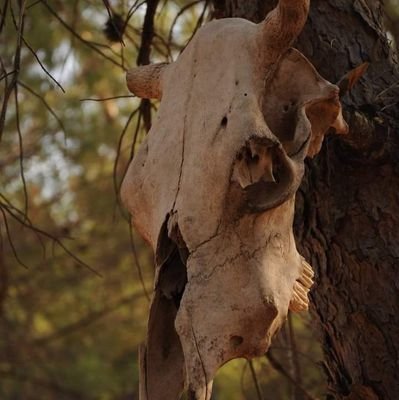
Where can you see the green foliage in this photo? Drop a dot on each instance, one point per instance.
(67, 332)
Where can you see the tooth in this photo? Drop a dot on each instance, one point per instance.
(307, 269)
(306, 281)
(301, 291)
(297, 304)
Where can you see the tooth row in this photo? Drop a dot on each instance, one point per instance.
(298, 303)
(301, 290)
(307, 269)
(306, 282)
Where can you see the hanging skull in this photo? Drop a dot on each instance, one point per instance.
(212, 190)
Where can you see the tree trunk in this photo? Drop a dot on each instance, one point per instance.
(347, 208)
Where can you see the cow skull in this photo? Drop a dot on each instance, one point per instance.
(212, 190)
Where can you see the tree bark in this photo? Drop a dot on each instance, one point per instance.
(347, 207)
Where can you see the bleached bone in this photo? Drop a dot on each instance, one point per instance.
(212, 189)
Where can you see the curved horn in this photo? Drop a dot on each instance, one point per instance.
(146, 81)
(262, 196)
(282, 26)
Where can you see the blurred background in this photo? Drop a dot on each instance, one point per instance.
(74, 280)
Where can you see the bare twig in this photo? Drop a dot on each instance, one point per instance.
(136, 260)
(118, 152)
(33, 4)
(53, 386)
(3, 15)
(168, 55)
(17, 63)
(294, 356)
(178, 15)
(41, 64)
(110, 98)
(278, 367)
(4, 76)
(386, 90)
(3, 275)
(35, 55)
(133, 7)
(25, 217)
(50, 110)
(86, 320)
(135, 137)
(9, 237)
(21, 151)
(244, 370)
(199, 21)
(75, 34)
(25, 222)
(255, 379)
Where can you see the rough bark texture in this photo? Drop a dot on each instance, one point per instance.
(347, 209)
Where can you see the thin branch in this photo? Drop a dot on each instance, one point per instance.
(137, 262)
(255, 379)
(33, 4)
(178, 15)
(4, 76)
(50, 110)
(9, 237)
(86, 320)
(21, 151)
(3, 275)
(136, 5)
(168, 55)
(386, 90)
(84, 41)
(54, 387)
(128, 96)
(132, 147)
(17, 64)
(26, 223)
(3, 15)
(303, 355)
(134, 142)
(105, 46)
(199, 21)
(244, 370)
(41, 64)
(278, 367)
(294, 356)
(118, 152)
(25, 217)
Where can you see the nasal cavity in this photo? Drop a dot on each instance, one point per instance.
(224, 122)
(236, 341)
(255, 162)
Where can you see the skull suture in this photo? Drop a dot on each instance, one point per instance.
(212, 190)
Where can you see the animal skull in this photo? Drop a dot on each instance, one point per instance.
(212, 190)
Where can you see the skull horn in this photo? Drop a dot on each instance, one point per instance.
(146, 81)
(282, 26)
(262, 195)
